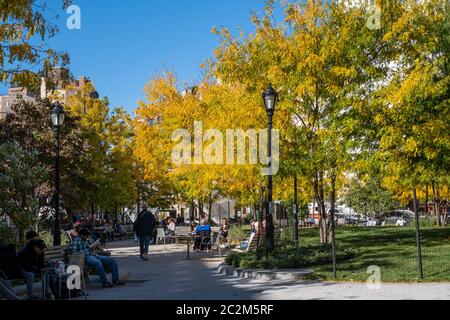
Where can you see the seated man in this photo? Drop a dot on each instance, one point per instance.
(83, 244)
(31, 235)
(31, 262)
(74, 232)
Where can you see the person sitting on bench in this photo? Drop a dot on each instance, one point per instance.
(118, 229)
(204, 231)
(31, 235)
(31, 262)
(83, 244)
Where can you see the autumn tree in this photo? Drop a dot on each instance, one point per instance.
(321, 60)
(25, 28)
(414, 118)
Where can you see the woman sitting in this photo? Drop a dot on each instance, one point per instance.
(171, 227)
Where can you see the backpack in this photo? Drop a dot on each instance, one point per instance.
(58, 286)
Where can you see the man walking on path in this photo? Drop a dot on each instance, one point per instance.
(144, 227)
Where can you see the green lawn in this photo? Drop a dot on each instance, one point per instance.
(393, 249)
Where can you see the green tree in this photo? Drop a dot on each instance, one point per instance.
(20, 177)
(30, 126)
(370, 199)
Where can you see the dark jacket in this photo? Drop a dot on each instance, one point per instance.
(145, 223)
(29, 261)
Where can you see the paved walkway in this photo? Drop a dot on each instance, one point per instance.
(167, 276)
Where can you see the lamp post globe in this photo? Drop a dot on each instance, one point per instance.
(270, 98)
(57, 116)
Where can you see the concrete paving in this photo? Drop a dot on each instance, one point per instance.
(168, 276)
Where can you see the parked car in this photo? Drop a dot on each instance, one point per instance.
(399, 218)
(368, 222)
(346, 218)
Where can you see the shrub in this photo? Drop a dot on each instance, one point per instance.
(48, 238)
(7, 235)
(287, 256)
(237, 233)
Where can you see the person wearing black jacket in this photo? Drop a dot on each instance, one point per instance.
(144, 227)
(31, 262)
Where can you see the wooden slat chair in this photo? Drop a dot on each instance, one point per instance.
(55, 254)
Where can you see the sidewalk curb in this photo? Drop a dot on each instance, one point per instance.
(267, 275)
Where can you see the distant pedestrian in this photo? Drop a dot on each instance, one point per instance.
(143, 227)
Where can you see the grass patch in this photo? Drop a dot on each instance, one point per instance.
(287, 256)
(393, 249)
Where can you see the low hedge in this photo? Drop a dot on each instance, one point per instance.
(288, 256)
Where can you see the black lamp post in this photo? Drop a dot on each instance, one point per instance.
(295, 211)
(270, 97)
(57, 115)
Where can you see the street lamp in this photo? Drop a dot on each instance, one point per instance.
(57, 116)
(270, 97)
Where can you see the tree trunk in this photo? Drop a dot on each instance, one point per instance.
(427, 195)
(333, 226)
(316, 198)
(419, 244)
(440, 206)
(319, 192)
(323, 212)
(200, 208)
(436, 205)
(209, 207)
(93, 216)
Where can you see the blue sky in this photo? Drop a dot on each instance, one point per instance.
(122, 44)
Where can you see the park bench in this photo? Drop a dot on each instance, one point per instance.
(254, 242)
(55, 254)
(260, 241)
(128, 229)
(10, 273)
